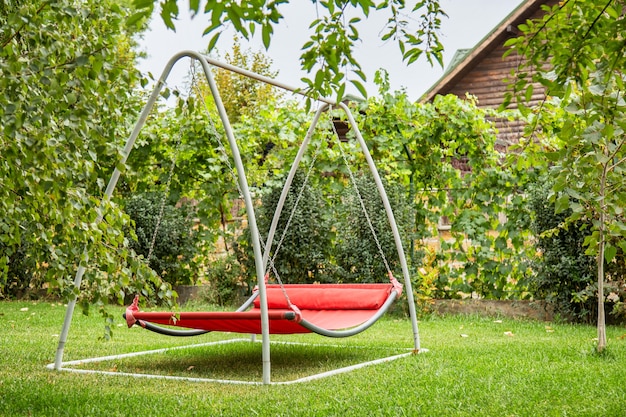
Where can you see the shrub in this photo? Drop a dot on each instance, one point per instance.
(305, 249)
(225, 280)
(176, 244)
(20, 271)
(564, 275)
(357, 252)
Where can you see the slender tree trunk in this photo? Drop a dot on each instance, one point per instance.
(601, 245)
(601, 314)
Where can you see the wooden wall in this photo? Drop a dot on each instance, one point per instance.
(487, 78)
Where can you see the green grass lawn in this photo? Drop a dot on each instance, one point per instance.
(475, 367)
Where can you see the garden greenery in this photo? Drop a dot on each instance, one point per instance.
(68, 79)
(70, 96)
(579, 49)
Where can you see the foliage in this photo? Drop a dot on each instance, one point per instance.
(563, 272)
(417, 147)
(357, 251)
(240, 94)
(329, 53)
(444, 154)
(21, 272)
(182, 150)
(225, 280)
(581, 45)
(67, 74)
(489, 254)
(172, 251)
(303, 236)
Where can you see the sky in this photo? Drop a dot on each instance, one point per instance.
(468, 22)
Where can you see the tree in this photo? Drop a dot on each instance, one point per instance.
(328, 55)
(582, 45)
(67, 73)
(242, 95)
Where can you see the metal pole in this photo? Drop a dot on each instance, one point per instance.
(254, 231)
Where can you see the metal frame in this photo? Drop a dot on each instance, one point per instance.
(261, 259)
(67, 366)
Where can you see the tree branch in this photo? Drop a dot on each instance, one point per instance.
(17, 32)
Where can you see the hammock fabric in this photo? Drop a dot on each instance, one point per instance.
(328, 306)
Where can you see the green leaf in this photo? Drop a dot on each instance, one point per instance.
(194, 6)
(267, 35)
(562, 203)
(359, 86)
(609, 252)
(137, 17)
(341, 92)
(529, 92)
(213, 41)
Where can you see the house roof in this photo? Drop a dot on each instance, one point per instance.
(465, 59)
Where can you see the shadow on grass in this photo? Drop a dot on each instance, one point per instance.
(242, 360)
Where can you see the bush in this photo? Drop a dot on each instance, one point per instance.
(328, 242)
(305, 249)
(176, 245)
(225, 282)
(20, 271)
(564, 275)
(357, 252)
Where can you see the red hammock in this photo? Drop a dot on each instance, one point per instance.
(327, 306)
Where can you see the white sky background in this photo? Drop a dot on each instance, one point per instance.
(467, 23)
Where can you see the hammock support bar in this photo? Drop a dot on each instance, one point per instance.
(242, 183)
(355, 330)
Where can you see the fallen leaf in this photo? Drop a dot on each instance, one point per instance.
(464, 335)
(497, 321)
(510, 334)
(24, 309)
(191, 368)
(549, 329)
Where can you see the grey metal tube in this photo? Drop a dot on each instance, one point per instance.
(242, 182)
(252, 225)
(354, 330)
(265, 79)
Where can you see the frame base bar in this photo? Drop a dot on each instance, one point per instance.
(67, 366)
